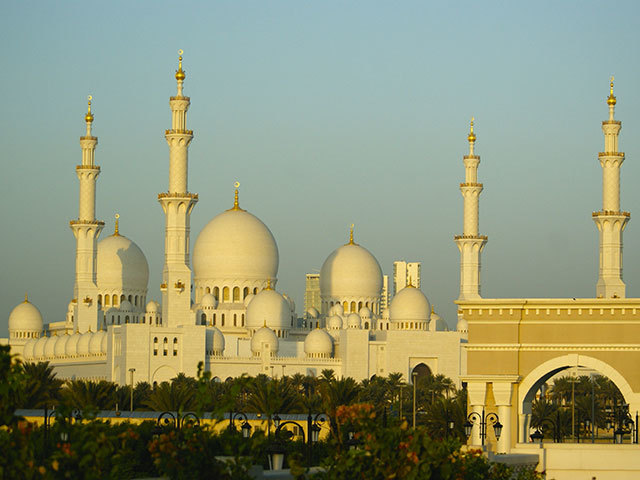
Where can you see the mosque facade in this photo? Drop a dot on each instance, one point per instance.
(223, 308)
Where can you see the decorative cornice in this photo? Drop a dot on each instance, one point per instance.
(610, 213)
(172, 195)
(471, 237)
(85, 222)
(178, 132)
(611, 154)
(546, 347)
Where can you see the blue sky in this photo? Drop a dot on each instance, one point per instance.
(328, 113)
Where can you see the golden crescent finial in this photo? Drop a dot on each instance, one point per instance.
(26, 298)
(89, 117)
(612, 99)
(351, 235)
(472, 136)
(237, 184)
(116, 232)
(180, 75)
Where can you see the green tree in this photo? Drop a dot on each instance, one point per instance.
(86, 394)
(172, 397)
(41, 387)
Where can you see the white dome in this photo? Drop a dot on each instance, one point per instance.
(268, 305)
(152, 307)
(215, 341)
(351, 271)
(337, 309)
(463, 325)
(353, 320)
(264, 335)
(95, 343)
(248, 298)
(365, 313)
(25, 317)
(312, 313)
(437, 324)
(71, 348)
(121, 265)
(235, 244)
(409, 305)
(334, 322)
(318, 343)
(125, 306)
(49, 346)
(38, 349)
(27, 352)
(59, 349)
(83, 343)
(208, 301)
(103, 344)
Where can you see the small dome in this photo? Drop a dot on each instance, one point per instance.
(351, 271)
(25, 317)
(61, 343)
(337, 309)
(27, 352)
(121, 265)
(49, 346)
(208, 301)
(38, 349)
(437, 324)
(125, 306)
(71, 348)
(353, 320)
(411, 305)
(248, 298)
(235, 244)
(215, 341)
(83, 343)
(365, 313)
(318, 343)
(152, 307)
(312, 313)
(264, 336)
(334, 322)
(463, 325)
(270, 307)
(103, 344)
(95, 343)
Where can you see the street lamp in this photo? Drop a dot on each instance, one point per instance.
(483, 420)
(537, 436)
(245, 427)
(131, 371)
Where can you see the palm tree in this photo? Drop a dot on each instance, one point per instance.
(87, 394)
(172, 397)
(41, 387)
(444, 411)
(141, 393)
(270, 397)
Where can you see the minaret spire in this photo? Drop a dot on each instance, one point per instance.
(177, 204)
(611, 221)
(86, 229)
(470, 243)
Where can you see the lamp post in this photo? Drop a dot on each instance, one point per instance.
(475, 417)
(179, 420)
(245, 427)
(132, 371)
(276, 449)
(414, 377)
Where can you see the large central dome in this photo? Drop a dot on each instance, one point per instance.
(235, 245)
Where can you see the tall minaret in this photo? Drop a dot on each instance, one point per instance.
(610, 220)
(177, 204)
(86, 229)
(470, 243)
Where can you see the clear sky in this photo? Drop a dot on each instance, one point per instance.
(328, 113)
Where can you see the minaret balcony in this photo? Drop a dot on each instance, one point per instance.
(612, 122)
(87, 167)
(470, 237)
(610, 154)
(193, 196)
(178, 132)
(610, 213)
(471, 184)
(86, 222)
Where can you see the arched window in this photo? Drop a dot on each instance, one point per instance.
(115, 300)
(107, 300)
(236, 294)
(359, 306)
(135, 300)
(155, 346)
(222, 321)
(122, 298)
(366, 325)
(99, 299)
(118, 319)
(255, 290)
(216, 293)
(214, 319)
(203, 319)
(353, 306)
(130, 298)
(225, 294)
(366, 304)
(175, 347)
(165, 346)
(235, 320)
(245, 292)
(207, 290)
(387, 326)
(126, 319)
(242, 319)
(345, 306)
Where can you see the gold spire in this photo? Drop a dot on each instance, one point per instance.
(180, 75)
(432, 312)
(116, 231)
(236, 202)
(351, 242)
(612, 99)
(89, 116)
(472, 136)
(268, 287)
(26, 298)
(265, 323)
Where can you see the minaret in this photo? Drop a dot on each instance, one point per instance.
(177, 204)
(470, 243)
(610, 220)
(86, 229)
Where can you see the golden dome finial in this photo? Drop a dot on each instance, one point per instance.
(268, 287)
(351, 235)
(612, 99)
(89, 116)
(116, 231)
(432, 309)
(236, 203)
(26, 298)
(265, 323)
(472, 136)
(180, 75)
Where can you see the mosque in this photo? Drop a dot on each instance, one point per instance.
(223, 309)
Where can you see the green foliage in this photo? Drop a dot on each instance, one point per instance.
(12, 385)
